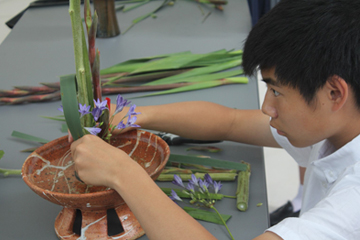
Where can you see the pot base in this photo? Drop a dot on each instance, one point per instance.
(94, 224)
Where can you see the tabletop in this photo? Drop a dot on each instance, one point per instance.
(39, 49)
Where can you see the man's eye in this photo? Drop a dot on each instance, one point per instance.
(276, 93)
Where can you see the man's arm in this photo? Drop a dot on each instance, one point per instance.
(207, 121)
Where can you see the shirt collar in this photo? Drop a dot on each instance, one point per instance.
(333, 163)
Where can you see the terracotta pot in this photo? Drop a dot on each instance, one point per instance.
(49, 172)
(108, 26)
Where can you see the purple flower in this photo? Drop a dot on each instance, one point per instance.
(61, 108)
(208, 179)
(101, 105)
(174, 196)
(203, 185)
(217, 186)
(84, 109)
(131, 111)
(121, 125)
(121, 103)
(178, 181)
(191, 187)
(96, 112)
(93, 130)
(194, 180)
(131, 122)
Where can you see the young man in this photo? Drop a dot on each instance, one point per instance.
(309, 55)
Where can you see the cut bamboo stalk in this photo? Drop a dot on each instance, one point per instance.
(242, 192)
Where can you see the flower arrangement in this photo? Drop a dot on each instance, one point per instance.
(103, 108)
(79, 90)
(197, 190)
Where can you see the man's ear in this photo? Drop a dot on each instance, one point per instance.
(337, 91)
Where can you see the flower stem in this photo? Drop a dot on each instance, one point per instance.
(223, 221)
(227, 196)
(8, 172)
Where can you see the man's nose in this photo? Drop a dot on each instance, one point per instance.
(268, 107)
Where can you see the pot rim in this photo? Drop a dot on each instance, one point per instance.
(84, 195)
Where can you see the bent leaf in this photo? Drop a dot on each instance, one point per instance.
(70, 105)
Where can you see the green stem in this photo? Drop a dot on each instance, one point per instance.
(227, 196)
(77, 30)
(223, 221)
(8, 172)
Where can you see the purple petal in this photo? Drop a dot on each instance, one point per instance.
(174, 196)
(131, 122)
(190, 186)
(96, 112)
(84, 109)
(194, 180)
(61, 108)
(208, 178)
(131, 111)
(121, 103)
(102, 105)
(178, 181)
(121, 125)
(93, 130)
(217, 186)
(204, 185)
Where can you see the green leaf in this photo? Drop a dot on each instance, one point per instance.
(135, 6)
(198, 86)
(207, 162)
(139, 19)
(56, 118)
(197, 72)
(1, 153)
(172, 62)
(201, 78)
(28, 137)
(64, 128)
(70, 106)
(206, 215)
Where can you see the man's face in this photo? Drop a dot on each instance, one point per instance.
(302, 123)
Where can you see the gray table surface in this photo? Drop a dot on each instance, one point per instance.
(39, 49)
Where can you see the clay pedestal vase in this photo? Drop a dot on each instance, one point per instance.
(49, 172)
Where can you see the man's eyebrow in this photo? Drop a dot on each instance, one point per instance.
(270, 81)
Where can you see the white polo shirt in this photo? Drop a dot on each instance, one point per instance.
(331, 198)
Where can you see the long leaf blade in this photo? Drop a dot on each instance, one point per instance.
(207, 162)
(70, 106)
(198, 71)
(28, 137)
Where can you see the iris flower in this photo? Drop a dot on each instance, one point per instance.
(121, 103)
(178, 181)
(131, 122)
(84, 109)
(174, 196)
(191, 187)
(217, 186)
(203, 185)
(194, 180)
(131, 111)
(101, 105)
(208, 179)
(93, 130)
(96, 112)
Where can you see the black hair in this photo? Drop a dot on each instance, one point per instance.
(308, 41)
